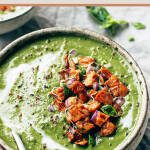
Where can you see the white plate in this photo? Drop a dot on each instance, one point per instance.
(12, 20)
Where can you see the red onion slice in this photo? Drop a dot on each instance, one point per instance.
(51, 108)
(67, 102)
(103, 75)
(66, 64)
(71, 130)
(90, 68)
(119, 100)
(70, 81)
(68, 70)
(95, 86)
(73, 52)
(94, 116)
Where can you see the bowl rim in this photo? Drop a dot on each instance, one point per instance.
(17, 15)
(142, 118)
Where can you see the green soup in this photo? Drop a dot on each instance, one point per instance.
(27, 76)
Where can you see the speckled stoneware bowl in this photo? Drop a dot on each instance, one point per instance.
(134, 137)
(13, 20)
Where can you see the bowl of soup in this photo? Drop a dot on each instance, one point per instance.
(70, 88)
(12, 17)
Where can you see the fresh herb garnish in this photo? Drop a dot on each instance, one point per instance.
(131, 39)
(82, 71)
(91, 140)
(111, 25)
(109, 110)
(67, 91)
(139, 25)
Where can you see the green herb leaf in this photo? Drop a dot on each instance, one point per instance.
(67, 91)
(100, 13)
(82, 71)
(131, 39)
(109, 110)
(111, 25)
(139, 25)
(91, 140)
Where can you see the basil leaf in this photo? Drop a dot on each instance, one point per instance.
(111, 25)
(82, 72)
(109, 110)
(131, 39)
(82, 69)
(100, 13)
(67, 91)
(91, 140)
(139, 25)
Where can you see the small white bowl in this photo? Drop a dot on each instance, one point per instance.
(12, 20)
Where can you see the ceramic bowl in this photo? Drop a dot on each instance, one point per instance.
(134, 137)
(12, 20)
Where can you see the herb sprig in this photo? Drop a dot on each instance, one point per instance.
(111, 25)
(139, 25)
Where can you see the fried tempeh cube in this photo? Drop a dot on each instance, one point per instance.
(107, 129)
(77, 113)
(73, 135)
(90, 78)
(82, 142)
(99, 118)
(77, 87)
(104, 97)
(105, 72)
(85, 61)
(116, 87)
(59, 105)
(92, 105)
(74, 74)
(84, 127)
(71, 101)
(58, 93)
